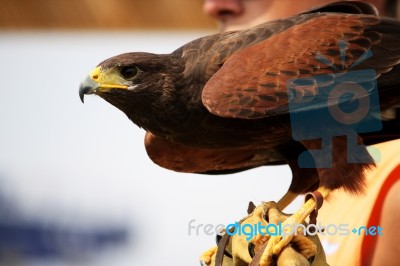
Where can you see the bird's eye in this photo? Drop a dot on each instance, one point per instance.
(129, 72)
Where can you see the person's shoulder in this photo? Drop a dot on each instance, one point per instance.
(391, 204)
(387, 248)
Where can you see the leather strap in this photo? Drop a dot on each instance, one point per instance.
(251, 207)
(257, 257)
(219, 257)
(319, 199)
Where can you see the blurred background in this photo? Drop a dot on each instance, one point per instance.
(76, 185)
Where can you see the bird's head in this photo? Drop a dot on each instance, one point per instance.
(139, 84)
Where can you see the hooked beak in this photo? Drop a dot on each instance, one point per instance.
(99, 81)
(88, 86)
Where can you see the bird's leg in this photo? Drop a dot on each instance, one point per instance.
(277, 243)
(288, 198)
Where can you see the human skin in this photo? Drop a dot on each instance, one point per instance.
(239, 14)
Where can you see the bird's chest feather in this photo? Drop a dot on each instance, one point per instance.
(198, 128)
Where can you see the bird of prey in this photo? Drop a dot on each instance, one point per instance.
(238, 100)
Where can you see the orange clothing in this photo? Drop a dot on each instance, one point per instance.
(354, 248)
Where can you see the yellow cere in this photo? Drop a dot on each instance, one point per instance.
(107, 79)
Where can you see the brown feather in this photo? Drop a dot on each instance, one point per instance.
(220, 103)
(232, 92)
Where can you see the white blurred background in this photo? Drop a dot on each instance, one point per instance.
(77, 164)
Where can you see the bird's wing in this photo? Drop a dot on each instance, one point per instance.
(258, 81)
(181, 158)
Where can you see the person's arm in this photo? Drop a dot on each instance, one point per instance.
(387, 250)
